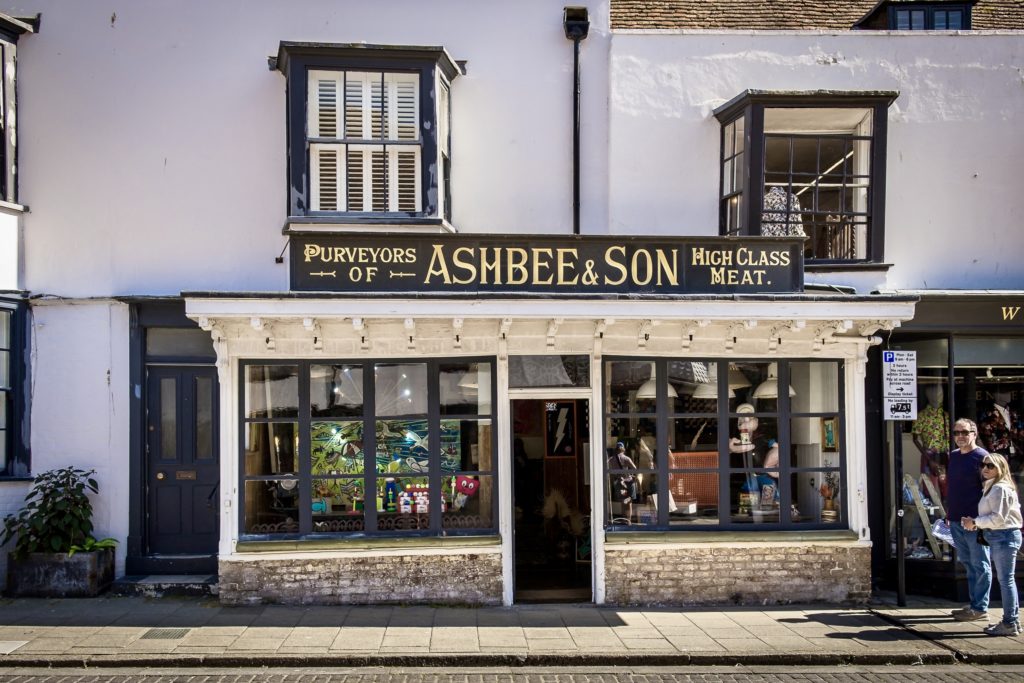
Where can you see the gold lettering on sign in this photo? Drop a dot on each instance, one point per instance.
(621, 267)
(566, 265)
(1010, 312)
(492, 266)
(464, 265)
(438, 266)
(539, 263)
(517, 272)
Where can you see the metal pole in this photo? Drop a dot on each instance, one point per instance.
(576, 137)
(901, 569)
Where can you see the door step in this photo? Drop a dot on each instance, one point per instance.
(160, 585)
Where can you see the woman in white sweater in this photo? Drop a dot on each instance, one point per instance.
(999, 517)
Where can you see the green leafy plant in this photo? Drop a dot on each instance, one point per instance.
(91, 544)
(57, 515)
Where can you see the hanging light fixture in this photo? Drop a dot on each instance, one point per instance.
(770, 387)
(737, 380)
(709, 389)
(470, 379)
(649, 389)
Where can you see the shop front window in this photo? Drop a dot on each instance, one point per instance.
(709, 443)
(388, 446)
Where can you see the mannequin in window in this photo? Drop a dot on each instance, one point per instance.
(759, 450)
(931, 436)
(775, 222)
(1000, 430)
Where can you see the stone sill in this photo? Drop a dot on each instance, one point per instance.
(416, 543)
(621, 539)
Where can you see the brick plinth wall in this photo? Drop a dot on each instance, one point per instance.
(745, 575)
(458, 579)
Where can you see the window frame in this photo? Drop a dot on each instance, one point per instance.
(10, 29)
(750, 106)
(434, 68)
(782, 414)
(929, 15)
(15, 434)
(305, 419)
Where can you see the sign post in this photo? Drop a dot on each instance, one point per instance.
(899, 393)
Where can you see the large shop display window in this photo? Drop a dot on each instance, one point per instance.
(978, 378)
(713, 444)
(356, 447)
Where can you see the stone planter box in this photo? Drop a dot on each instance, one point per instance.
(55, 575)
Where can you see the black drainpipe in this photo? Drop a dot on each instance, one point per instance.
(576, 22)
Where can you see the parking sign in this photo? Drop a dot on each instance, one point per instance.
(899, 384)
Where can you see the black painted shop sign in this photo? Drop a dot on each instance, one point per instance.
(544, 264)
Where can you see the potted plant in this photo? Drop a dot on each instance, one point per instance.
(829, 489)
(54, 552)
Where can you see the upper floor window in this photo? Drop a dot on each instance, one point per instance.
(10, 29)
(922, 17)
(368, 133)
(810, 165)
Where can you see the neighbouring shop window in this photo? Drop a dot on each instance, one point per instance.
(979, 378)
(713, 444)
(380, 447)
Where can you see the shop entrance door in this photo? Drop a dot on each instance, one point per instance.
(182, 471)
(551, 492)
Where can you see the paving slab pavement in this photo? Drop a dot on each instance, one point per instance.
(114, 631)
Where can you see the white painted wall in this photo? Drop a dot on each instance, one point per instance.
(153, 144)
(955, 147)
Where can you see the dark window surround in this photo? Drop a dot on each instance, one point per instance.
(882, 16)
(724, 415)
(751, 105)
(10, 29)
(370, 476)
(929, 15)
(295, 59)
(16, 436)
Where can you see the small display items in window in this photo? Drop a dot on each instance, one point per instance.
(829, 490)
(781, 217)
(465, 488)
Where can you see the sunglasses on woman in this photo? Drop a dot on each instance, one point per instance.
(988, 465)
(961, 432)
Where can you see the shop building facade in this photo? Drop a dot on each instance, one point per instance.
(337, 342)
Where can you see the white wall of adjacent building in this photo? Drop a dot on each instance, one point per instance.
(953, 200)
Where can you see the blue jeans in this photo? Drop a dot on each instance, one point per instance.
(1004, 543)
(975, 559)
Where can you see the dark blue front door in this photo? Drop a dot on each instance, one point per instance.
(182, 460)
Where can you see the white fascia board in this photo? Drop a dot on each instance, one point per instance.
(725, 309)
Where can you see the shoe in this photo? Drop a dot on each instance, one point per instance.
(970, 614)
(959, 610)
(1003, 629)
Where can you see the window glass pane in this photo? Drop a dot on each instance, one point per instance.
(754, 497)
(816, 386)
(820, 497)
(645, 505)
(692, 434)
(985, 352)
(818, 120)
(400, 389)
(204, 419)
(5, 369)
(177, 341)
(466, 446)
(728, 140)
(5, 329)
(939, 17)
(954, 20)
(465, 388)
(630, 386)
(638, 438)
(740, 142)
(403, 446)
(338, 505)
(337, 447)
(336, 390)
(271, 391)
(403, 503)
(917, 20)
(271, 507)
(931, 353)
(548, 371)
(902, 20)
(777, 158)
(727, 178)
(271, 448)
(754, 442)
(620, 488)
(168, 418)
(3, 412)
(469, 502)
(694, 493)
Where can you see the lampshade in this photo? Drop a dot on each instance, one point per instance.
(770, 387)
(649, 389)
(737, 380)
(709, 389)
(469, 379)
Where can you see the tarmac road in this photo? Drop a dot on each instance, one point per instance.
(959, 673)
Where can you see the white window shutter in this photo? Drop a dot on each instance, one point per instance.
(327, 177)
(405, 174)
(324, 92)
